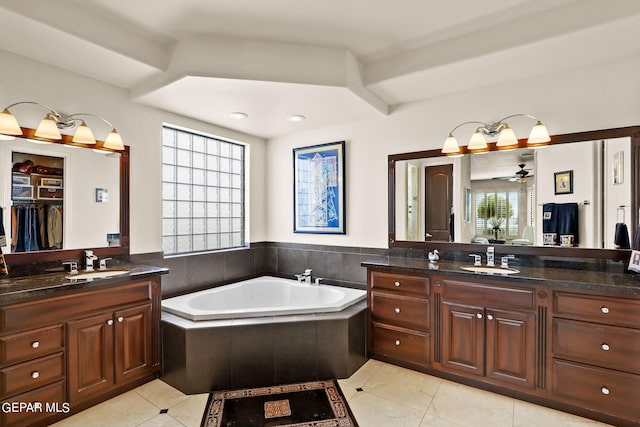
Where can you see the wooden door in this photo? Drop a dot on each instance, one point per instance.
(133, 352)
(90, 356)
(463, 338)
(511, 346)
(438, 190)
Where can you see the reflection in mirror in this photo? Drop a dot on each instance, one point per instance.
(68, 199)
(516, 197)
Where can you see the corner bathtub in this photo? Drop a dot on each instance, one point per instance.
(262, 296)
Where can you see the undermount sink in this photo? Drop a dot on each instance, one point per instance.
(100, 274)
(490, 270)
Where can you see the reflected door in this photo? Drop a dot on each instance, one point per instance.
(438, 201)
(412, 202)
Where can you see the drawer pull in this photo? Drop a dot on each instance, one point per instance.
(397, 283)
(397, 342)
(605, 346)
(120, 319)
(490, 316)
(479, 315)
(35, 344)
(604, 309)
(605, 390)
(397, 310)
(109, 322)
(35, 374)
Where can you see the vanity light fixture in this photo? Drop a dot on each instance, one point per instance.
(53, 122)
(506, 137)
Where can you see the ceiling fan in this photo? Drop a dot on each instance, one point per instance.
(522, 175)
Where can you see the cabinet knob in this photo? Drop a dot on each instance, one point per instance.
(35, 344)
(605, 390)
(35, 374)
(397, 342)
(397, 283)
(397, 310)
(604, 309)
(605, 346)
(109, 322)
(490, 316)
(479, 315)
(120, 319)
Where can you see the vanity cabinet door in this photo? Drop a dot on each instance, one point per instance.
(133, 343)
(511, 341)
(463, 338)
(90, 356)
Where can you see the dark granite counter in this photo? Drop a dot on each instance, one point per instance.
(43, 285)
(557, 277)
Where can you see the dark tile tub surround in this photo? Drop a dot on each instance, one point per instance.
(337, 265)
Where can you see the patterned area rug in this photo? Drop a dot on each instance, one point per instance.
(312, 404)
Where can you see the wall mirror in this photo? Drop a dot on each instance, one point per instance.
(500, 197)
(78, 193)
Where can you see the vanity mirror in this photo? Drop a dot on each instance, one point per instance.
(499, 197)
(86, 184)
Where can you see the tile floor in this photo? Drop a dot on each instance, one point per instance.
(391, 397)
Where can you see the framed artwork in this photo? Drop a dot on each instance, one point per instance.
(318, 189)
(634, 261)
(618, 168)
(563, 182)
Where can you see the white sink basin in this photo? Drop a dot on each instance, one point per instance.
(490, 270)
(100, 274)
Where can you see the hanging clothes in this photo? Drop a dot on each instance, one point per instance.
(621, 236)
(54, 226)
(36, 227)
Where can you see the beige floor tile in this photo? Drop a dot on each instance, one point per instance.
(348, 392)
(128, 409)
(471, 407)
(433, 421)
(375, 411)
(161, 420)
(529, 415)
(363, 374)
(403, 386)
(161, 394)
(190, 411)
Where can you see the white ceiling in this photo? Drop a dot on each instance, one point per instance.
(334, 62)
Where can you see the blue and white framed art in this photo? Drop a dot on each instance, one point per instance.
(318, 189)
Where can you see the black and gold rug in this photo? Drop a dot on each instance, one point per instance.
(312, 404)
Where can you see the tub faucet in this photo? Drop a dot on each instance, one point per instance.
(306, 276)
(89, 258)
(491, 256)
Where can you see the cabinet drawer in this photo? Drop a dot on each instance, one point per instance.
(405, 284)
(53, 395)
(31, 344)
(599, 389)
(410, 313)
(608, 346)
(615, 311)
(400, 344)
(29, 375)
(489, 294)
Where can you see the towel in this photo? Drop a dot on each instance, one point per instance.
(550, 224)
(621, 237)
(568, 225)
(636, 239)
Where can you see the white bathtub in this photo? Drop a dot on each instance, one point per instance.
(262, 296)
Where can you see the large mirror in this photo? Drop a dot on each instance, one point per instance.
(514, 197)
(65, 197)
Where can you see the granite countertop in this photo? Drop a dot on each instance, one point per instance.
(558, 277)
(14, 289)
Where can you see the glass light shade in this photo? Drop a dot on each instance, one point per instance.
(113, 141)
(477, 141)
(539, 134)
(507, 137)
(8, 123)
(48, 129)
(450, 145)
(84, 135)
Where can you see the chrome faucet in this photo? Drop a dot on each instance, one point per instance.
(89, 258)
(477, 259)
(306, 276)
(73, 266)
(491, 256)
(505, 260)
(103, 263)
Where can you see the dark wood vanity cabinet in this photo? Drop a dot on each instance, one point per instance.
(77, 348)
(400, 318)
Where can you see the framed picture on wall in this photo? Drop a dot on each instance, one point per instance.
(318, 189)
(563, 182)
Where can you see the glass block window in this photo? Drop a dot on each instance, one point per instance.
(202, 193)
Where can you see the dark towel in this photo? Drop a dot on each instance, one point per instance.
(621, 238)
(636, 239)
(549, 218)
(567, 216)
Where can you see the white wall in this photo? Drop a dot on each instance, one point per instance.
(22, 79)
(590, 98)
(616, 195)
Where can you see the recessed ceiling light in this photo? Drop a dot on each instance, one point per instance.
(238, 115)
(296, 118)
